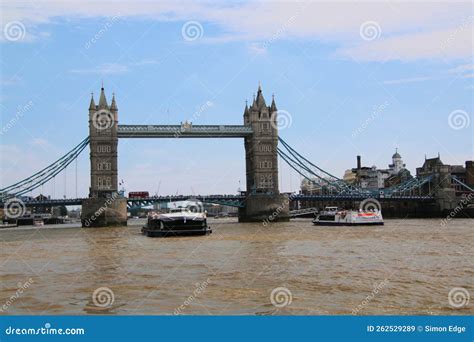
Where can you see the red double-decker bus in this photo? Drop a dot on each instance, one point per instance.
(138, 194)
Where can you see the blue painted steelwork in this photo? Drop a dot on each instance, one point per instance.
(228, 200)
(347, 197)
(296, 161)
(454, 178)
(183, 131)
(310, 171)
(41, 177)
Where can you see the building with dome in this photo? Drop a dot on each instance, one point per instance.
(373, 178)
(397, 163)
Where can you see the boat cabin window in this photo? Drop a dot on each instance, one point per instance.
(177, 210)
(331, 209)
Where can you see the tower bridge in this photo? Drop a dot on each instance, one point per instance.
(431, 192)
(259, 131)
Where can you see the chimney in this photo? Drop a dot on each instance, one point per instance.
(470, 172)
(358, 163)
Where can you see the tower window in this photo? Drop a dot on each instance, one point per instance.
(266, 181)
(104, 165)
(264, 127)
(104, 148)
(104, 182)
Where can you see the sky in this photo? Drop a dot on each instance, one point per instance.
(348, 78)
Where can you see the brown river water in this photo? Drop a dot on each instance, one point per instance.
(295, 268)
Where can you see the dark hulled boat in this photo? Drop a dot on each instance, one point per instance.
(179, 222)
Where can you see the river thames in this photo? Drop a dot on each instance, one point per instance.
(405, 267)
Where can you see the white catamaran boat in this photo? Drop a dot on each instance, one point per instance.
(332, 216)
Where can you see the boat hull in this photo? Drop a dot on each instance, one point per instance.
(171, 232)
(319, 223)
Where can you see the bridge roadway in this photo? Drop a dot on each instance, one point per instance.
(185, 130)
(230, 200)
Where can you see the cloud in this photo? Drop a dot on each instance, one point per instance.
(103, 69)
(257, 49)
(114, 68)
(410, 80)
(462, 68)
(12, 81)
(442, 32)
(461, 71)
(43, 143)
(144, 62)
(466, 70)
(446, 44)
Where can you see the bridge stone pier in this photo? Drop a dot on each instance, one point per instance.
(105, 207)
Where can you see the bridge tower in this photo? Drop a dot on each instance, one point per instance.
(264, 201)
(105, 206)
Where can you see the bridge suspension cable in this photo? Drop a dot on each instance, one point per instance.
(310, 171)
(454, 178)
(41, 177)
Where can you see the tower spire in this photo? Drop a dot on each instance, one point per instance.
(102, 100)
(92, 104)
(113, 105)
(246, 110)
(273, 107)
(260, 99)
